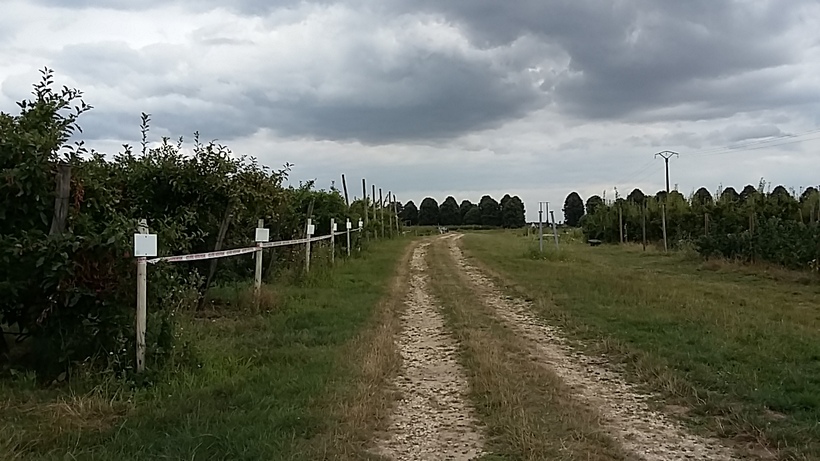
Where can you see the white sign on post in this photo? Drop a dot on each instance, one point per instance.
(262, 235)
(360, 224)
(145, 245)
(311, 229)
(349, 224)
(335, 227)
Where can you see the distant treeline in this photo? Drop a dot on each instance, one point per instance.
(778, 225)
(509, 213)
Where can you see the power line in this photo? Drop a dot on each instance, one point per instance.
(759, 144)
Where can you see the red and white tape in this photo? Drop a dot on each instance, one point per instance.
(239, 251)
(283, 243)
(203, 256)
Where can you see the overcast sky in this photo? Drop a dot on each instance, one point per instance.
(464, 97)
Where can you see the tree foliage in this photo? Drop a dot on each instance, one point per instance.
(573, 209)
(465, 206)
(410, 213)
(775, 227)
(512, 212)
(593, 203)
(448, 212)
(429, 212)
(473, 216)
(490, 211)
(72, 292)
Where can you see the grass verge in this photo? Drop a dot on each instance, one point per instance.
(295, 381)
(740, 349)
(527, 411)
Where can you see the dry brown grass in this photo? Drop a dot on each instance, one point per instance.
(364, 410)
(89, 414)
(529, 413)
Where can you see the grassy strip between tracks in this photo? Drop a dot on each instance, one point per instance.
(528, 413)
(735, 348)
(302, 381)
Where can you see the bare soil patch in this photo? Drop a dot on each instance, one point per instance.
(432, 420)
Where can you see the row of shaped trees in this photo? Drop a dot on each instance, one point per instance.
(509, 213)
(779, 225)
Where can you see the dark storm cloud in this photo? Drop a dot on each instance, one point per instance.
(428, 95)
(631, 60)
(633, 56)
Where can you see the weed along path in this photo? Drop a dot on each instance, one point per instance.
(432, 420)
(625, 414)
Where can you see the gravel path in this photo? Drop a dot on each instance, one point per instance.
(432, 421)
(624, 411)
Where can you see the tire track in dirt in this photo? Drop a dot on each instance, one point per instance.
(625, 412)
(432, 421)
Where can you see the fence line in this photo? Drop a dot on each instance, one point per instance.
(145, 247)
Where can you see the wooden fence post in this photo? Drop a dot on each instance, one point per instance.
(374, 209)
(142, 301)
(348, 225)
(61, 196)
(309, 235)
(332, 241)
(663, 215)
(257, 276)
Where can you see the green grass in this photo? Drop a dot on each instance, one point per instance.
(268, 388)
(739, 346)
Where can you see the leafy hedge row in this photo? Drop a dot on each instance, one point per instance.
(751, 226)
(72, 293)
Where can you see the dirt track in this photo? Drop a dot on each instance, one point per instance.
(434, 420)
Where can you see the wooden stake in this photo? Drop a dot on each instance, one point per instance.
(142, 301)
(220, 238)
(374, 208)
(332, 242)
(381, 210)
(307, 245)
(62, 194)
(365, 206)
(344, 187)
(257, 277)
(643, 224)
(665, 243)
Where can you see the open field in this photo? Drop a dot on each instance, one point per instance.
(734, 350)
(466, 347)
(284, 384)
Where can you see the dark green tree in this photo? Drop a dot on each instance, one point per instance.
(636, 196)
(490, 211)
(465, 206)
(512, 212)
(573, 209)
(729, 195)
(473, 216)
(410, 213)
(593, 203)
(702, 197)
(428, 212)
(448, 213)
(748, 192)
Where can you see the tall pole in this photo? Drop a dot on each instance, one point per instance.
(142, 301)
(375, 234)
(381, 208)
(541, 227)
(364, 205)
(666, 155)
(554, 230)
